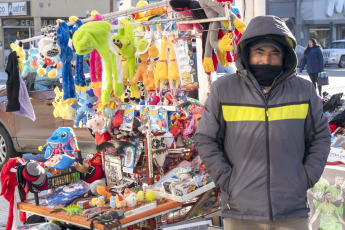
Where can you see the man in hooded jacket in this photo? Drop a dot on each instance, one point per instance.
(263, 136)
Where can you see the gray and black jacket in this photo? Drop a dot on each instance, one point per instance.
(264, 152)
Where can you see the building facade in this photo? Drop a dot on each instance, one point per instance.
(24, 19)
(320, 19)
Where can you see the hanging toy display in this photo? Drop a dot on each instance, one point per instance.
(33, 62)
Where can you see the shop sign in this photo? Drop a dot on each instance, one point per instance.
(15, 8)
(3, 9)
(49, 21)
(15, 22)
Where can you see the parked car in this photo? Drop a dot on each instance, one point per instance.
(300, 54)
(19, 134)
(335, 53)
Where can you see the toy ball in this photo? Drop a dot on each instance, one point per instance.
(150, 196)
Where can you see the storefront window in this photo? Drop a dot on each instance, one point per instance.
(342, 32)
(321, 34)
(13, 34)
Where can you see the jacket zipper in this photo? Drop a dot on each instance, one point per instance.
(268, 160)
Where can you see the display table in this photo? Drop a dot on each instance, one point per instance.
(81, 221)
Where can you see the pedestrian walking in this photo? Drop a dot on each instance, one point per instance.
(313, 58)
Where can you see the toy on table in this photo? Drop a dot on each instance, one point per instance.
(131, 200)
(150, 196)
(72, 210)
(100, 202)
(112, 218)
(113, 201)
(120, 202)
(140, 196)
(101, 190)
(126, 193)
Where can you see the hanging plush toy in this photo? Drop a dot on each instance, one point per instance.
(86, 102)
(62, 108)
(124, 42)
(173, 74)
(161, 73)
(66, 57)
(8, 186)
(31, 65)
(20, 54)
(50, 51)
(95, 35)
(79, 79)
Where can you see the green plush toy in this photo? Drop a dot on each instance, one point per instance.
(95, 35)
(124, 42)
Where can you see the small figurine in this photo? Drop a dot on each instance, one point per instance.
(150, 196)
(120, 202)
(100, 201)
(94, 201)
(126, 193)
(102, 191)
(113, 201)
(131, 200)
(140, 196)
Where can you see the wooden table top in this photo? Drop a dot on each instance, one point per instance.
(82, 221)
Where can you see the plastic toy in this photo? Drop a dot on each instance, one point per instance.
(120, 202)
(140, 196)
(95, 124)
(173, 73)
(131, 200)
(102, 191)
(72, 210)
(111, 218)
(100, 201)
(113, 201)
(161, 73)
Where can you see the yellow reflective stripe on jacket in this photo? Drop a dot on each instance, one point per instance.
(251, 113)
(288, 112)
(243, 113)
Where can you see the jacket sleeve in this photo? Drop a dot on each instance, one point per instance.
(320, 56)
(12, 83)
(317, 139)
(303, 63)
(209, 139)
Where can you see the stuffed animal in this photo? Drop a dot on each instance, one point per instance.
(173, 74)
(66, 56)
(161, 73)
(108, 114)
(8, 186)
(86, 102)
(79, 80)
(95, 124)
(95, 35)
(103, 192)
(63, 140)
(49, 50)
(124, 42)
(31, 65)
(62, 108)
(141, 73)
(20, 54)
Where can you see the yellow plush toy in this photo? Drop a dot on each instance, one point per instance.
(161, 73)
(173, 74)
(20, 54)
(62, 108)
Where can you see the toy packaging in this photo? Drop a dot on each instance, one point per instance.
(154, 119)
(128, 116)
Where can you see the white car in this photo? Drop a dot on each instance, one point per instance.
(335, 53)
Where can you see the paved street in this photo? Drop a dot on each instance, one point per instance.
(337, 84)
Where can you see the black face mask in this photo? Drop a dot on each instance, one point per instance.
(265, 74)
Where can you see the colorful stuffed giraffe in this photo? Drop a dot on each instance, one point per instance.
(161, 73)
(173, 74)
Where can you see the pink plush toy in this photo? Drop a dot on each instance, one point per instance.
(96, 124)
(187, 13)
(95, 61)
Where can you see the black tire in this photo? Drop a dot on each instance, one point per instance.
(342, 62)
(6, 147)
